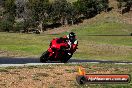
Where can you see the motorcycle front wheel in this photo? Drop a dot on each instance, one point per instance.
(44, 57)
(66, 58)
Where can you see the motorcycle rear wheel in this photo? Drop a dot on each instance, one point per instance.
(44, 57)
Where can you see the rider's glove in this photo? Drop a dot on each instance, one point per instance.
(69, 53)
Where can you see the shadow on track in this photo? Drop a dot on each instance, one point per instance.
(12, 60)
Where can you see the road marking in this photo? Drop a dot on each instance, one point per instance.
(40, 64)
(28, 64)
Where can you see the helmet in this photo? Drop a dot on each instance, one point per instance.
(71, 36)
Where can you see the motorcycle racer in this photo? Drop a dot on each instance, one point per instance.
(60, 49)
(72, 41)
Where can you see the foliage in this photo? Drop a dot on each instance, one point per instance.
(61, 10)
(90, 8)
(6, 25)
(9, 15)
(38, 8)
(42, 12)
(124, 3)
(10, 6)
(19, 26)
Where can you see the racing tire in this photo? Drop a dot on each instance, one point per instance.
(44, 57)
(65, 60)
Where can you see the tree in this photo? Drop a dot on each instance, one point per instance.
(10, 7)
(21, 9)
(90, 8)
(6, 25)
(124, 5)
(102, 5)
(19, 26)
(39, 10)
(72, 13)
(9, 14)
(62, 11)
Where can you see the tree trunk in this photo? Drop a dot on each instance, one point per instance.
(40, 27)
(72, 21)
(66, 21)
(62, 21)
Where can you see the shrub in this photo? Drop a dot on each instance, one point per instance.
(19, 26)
(6, 25)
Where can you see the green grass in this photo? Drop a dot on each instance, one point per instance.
(90, 46)
(27, 44)
(106, 28)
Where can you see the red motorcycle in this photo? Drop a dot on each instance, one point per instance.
(58, 50)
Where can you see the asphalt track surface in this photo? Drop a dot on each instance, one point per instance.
(6, 61)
